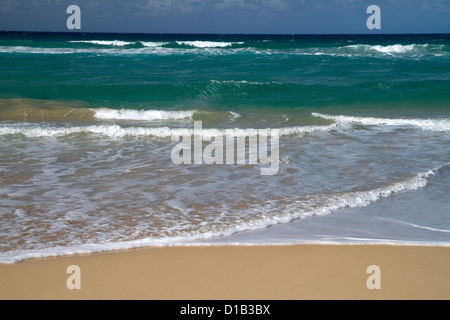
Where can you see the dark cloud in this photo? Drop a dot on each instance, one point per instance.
(227, 16)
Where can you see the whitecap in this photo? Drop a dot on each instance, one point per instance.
(424, 124)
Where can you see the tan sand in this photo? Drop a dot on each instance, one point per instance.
(237, 273)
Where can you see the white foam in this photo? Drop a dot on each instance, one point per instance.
(112, 131)
(242, 82)
(157, 50)
(327, 204)
(220, 48)
(424, 124)
(32, 50)
(116, 131)
(362, 199)
(392, 49)
(116, 43)
(208, 44)
(16, 256)
(149, 48)
(234, 116)
(120, 43)
(141, 115)
(397, 48)
(153, 44)
(307, 129)
(56, 51)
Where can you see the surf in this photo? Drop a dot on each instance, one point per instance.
(424, 124)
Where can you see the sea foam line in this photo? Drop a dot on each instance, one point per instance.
(17, 256)
(415, 225)
(327, 204)
(116, 131)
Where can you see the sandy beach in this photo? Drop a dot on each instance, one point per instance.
(237, 273)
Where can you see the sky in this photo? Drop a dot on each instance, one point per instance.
(227, 16)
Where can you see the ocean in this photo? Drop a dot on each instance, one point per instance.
(89, 124)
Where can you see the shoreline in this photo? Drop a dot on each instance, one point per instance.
(212, 244)
(275, 272)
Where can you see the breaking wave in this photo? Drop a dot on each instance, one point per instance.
(141, 115)
(117, 131)
(424, 124)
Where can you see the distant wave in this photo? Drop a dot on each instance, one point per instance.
(208, 44)
(117, 43)
(120, 43)
(197, 44)
(424, 124)
(37, 50)
(397, 48)
(120, 47)
(144, 48)
(363, 50)
(153, 44)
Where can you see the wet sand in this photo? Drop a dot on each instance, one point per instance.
(237, 273)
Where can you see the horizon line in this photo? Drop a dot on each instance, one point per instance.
(227, 34)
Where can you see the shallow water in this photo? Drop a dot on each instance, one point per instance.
(88, 126)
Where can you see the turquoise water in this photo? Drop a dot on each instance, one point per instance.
(87, 124)
(226, 72)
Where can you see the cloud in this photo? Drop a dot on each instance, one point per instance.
(437, 6)
(163, 7)
(7, 5)
(36, 5)
(251, 4)
(246, 15)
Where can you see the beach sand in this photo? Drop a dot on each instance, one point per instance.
(237, 273)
